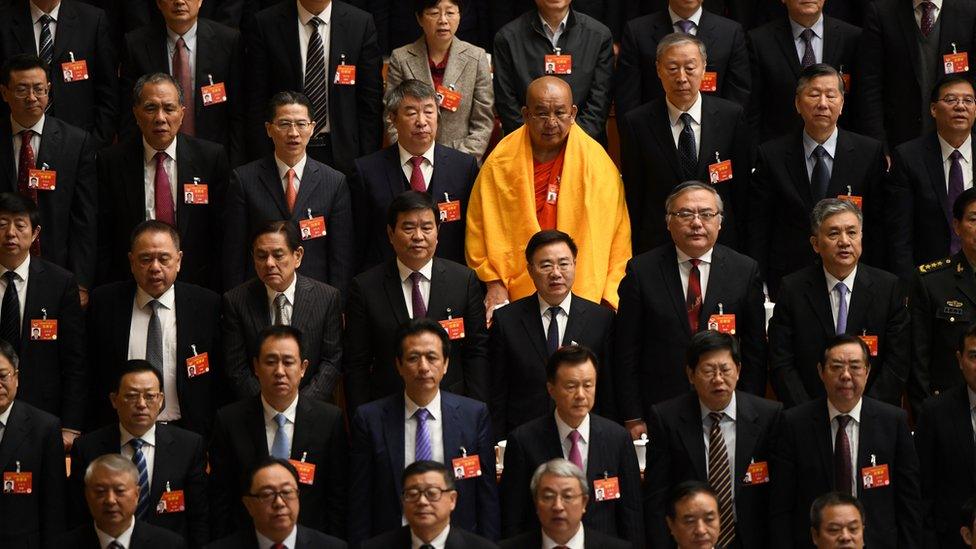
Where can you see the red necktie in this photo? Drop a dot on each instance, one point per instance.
(417, 182)
(842, 457)
(181, 71)
(164, 196)
(26, 164)
(693, 301)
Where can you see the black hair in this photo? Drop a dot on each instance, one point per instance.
(817, 70)
(417, 326)
(264, 463)
(962, 202)
(15, 204)
(410, 201)
(684, 490)
(428, 466)
(844, 339)
(154, 226)
(137, 366)
(283, 98)
(831, 499)
(21, 62)
(708, 341)
(948, 80)
(544, 238)
(420, 6)
(569, 355)
(285, 228)
(280, 331)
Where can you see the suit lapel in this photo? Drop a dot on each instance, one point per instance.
(300, 313)
(746, 435)
(417, 62)
(783, 34)
(288, 29)
(204, 69)
(49, 147)
(844, 164)
(393, 421)
(962, 426)
(134, 173)
(23, 29)
(830, 46)
(451, 427)
(161, 467)
(185, 170)
(394, 292)
(157, 53)
(796, 163)
(707, 146)
(34, 300)
(436, 301)
(906, 20)
(309, 188)
(816, 294)
(715, 291)
(862, 295)
(272, 184)
(255, 425)
(300, 442)
(19, 425)
(578, 318)
(259, 309)
(394, 173)
(65, 27)
(441, 172)
(691, 432)
(661, 128)
(455, 64)
(121, 315)
(672, 285)
(597, 460)
(820, 427)
(185, 313)
(532, 323)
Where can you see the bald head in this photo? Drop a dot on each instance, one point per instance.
(549, 113)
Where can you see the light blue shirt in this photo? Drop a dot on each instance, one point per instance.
(816, 41)
(830, 145)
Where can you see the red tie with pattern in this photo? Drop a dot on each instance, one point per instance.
(417, 181)
(26, 163)
(693, 302)
(164, 196)
(181, 72)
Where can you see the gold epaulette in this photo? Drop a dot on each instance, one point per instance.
(935, 265)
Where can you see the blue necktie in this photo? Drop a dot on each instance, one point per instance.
(423, 449)
(552, 336)
(279, 447)
(46, 43)
(140, 461)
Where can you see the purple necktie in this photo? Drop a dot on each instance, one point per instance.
(841, 290)
(419, 308)
(928, 17)
(685, 25)
(422, 450)
(575, 455)
(954, 190)
(809, 58)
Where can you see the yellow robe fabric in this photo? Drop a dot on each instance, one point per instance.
(591, 209)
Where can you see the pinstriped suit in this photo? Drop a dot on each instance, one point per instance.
(316, 313)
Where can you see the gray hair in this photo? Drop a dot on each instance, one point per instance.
(562, 468)
(818, 70)
(679, 39)
(408, 88)
(829, 207)
(689, 186)
(113, 462)
(7, 351)
(154, 78)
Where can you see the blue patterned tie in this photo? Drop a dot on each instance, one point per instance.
(685, 25)
(140, 461)
(279, 448)
(423, 450)
(315, 86)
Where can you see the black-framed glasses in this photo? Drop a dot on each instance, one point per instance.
(268, 496)
(432, 493)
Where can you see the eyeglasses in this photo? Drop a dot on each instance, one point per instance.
(854, 369)
(953, 100)
(568, 497)
(22, 92)
(547, 268)
(287, 125)
(686, 216)
(547, 116)
(150, 397)
(267, 497)
(708, 373)
(432, 493)
(437, 14)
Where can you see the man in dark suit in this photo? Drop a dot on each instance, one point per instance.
(172, 458)
(671, 293)
(421, 423)
(780, 50)
(837, 520)
(68, 209)
(293, 186)
(273, 504)
(69, 36)
(414, 162)
(725, 41)
(345, 102)
(927, 174)
(918, 37)
(612, 13)
(561, 492)
(112, 488)
(428, 520)
(279, 295)
(684, 136)
(31, 512)
(734, 459)
(42, 320)
(840, 295)
(598, 446)
(283, 424)
(148, 176)
(525, 334)
(384, 297)
(186, 348)
(797, 170)
(946, 451)
(202, 56)
(854, 445)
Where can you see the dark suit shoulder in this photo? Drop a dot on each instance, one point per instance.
(376, 408)
(533, 429)
(812, 409)
(116, 153)
(468, 404)
(182, 437)
(724, 107)
(774, 148)
(196, 293)
(243, 539)
(463, 539)
(525, 540)
(845, 29)
(373, 277)
(651, 109)
(223, 32)
(393, 539)
(453, 155)
(319, 289)
(512, 311)
(808, 273)
(916, 148)
(940, 405)
(309, 539)
(328, 173)
(454, 269)
(207, 148)
(735, 260)
(878, 275)
(40, 420)
(596, 539)
(654, 257)
(320, 410)
(348, 10)
(860, 141)
(672, 408)
(608, 428)
(68, 131)
(239, 410)
(252, 170)
(884, 409)
(239, 294)
(49, 272)
(148, 536)
(591, 307)
(763, 406)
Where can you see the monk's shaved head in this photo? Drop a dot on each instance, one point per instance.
(549, 114)
(547, 85)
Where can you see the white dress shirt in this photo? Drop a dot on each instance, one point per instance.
(674, 115)
(21, 274)
(695, 18)
(727, 427)
(190, 39)
(36, 14)
(704, 269)
(834, 297)
(965, 162)
(35, 141)
(853, 434)
(584, 443)
(149, 179)
(578, 540)
(271, 426)
(816, 41)
(426, 167)
(439, 542)
(561, 319)
(406, 284)
(290, 542)
(104, 540)
(809, 145)
(138, 333)
(148, 449)
(288, 309)
(553, 34)
(435, 426)
(4, 418)
(918, 10)
(304, 33)
(283, 168)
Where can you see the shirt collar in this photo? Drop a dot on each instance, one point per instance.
(104, 539)
(299, 167)
(405, 155)
(37, 128)
(916, 3)
(289, 291)
(149, 153)
(37, 12)
(855, 412)
(817, 28)
(405, 272)
(972, 401)
(830, 145)
(966, 149)
(560, 27)
(439, 541)
(728, 410)
(433, 407)
(833, 280)
(21, 271)
(6, 413)
(575, 542)
(695, 17)
(305, 16)
(289, 541)
(704, 258)
(167, 299)
(564, 429)
(149, 438)
(189, 37)
(674, 113)
(564, 305)
(270, 412)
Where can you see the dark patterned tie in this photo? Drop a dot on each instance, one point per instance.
(422, 447)
(139, 459)
(809, 58)
(820, 177)
(10, 313)
(417, 296)
(928, 17)
(693, 301)
(842, 457)
(315, 84)
(954, 189)
(154, 339)
(552, 335)
(26, 162)
(687, 150)
(720, 479)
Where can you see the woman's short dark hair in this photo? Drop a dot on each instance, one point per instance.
(420, 6)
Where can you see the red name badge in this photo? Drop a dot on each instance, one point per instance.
(872, 342)
(448, 98)
(852, 198)
(454, 327)
(312, 228)
(17, 483)
(722, 323)
(709, 82)
(757, 473)
(720, 171)
(44, 329)
(196, 193)
(74, 71)
(42, 180)
(213, 94)
(197, 365)
(171, 502)
(552, 195)
(450, 211)
(875, 477)
(606, 489)
(466, 467)
(306, 471)
(559, 64)
(345, 75)
(956, 62)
